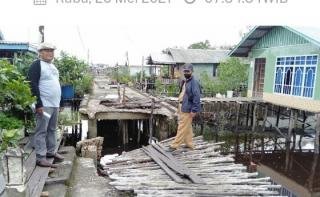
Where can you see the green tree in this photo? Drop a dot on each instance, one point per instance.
(201, 45)
(211, 86)
(23, 62)
(233, 73)
(74, 71)
(15, 99)
(121, 74)
(15, 92)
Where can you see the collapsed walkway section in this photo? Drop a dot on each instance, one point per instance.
(125, 117)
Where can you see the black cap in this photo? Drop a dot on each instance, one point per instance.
(188, 67)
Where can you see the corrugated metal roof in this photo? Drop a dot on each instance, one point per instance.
(160, 59)
(312, 34)
(198, 55)
(11, 45)
(251, 38)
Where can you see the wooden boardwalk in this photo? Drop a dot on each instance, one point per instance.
(120, 103)
(136, 171)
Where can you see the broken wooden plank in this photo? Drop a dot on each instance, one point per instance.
(175, 177)
(178, 165)
(219, 173)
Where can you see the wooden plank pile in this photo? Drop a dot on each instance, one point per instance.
(199, 172)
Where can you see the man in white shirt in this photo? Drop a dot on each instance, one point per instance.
(45, 86)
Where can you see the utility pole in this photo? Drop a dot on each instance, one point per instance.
(141, 74)
(88, 56)
(127, 57)
(41, 31)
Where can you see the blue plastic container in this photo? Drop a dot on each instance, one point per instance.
(67, 92)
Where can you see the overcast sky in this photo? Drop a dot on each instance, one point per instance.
(108, 30)
(109, 44)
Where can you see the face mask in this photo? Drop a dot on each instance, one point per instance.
(187, 76)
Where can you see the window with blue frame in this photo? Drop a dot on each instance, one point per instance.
(296, 75)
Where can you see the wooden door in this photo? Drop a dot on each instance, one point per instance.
(259, 73)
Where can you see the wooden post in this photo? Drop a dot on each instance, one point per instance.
(237, 145)
(265, 118)
(299, 143)
(278, 116)
(254, 117)
(119, 94)
(124, 95)
(141, 74)
(80, 129)
(262, 146)
(245, 143)
(151, 122)
(146, 85)
(287, 156)
(275, 144)
(251, 144)
(123, 124)
(248, 115)
(291, 124)
(139, 132)
(314, 172)
(238, 105)
(294, 123)
(316, 143)
(304, 120)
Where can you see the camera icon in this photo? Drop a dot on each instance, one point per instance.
(39, 2)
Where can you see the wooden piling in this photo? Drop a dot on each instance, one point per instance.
(124, 95)
(124, 128)
(287, 156)
(291, 124)
(139, 132)
(316, 143)
(254, 117)
(248, 115)
(278, 116)
(265, 117)
(119, 94)
(151, 122)
(238, 105)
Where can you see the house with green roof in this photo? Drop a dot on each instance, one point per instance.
(283, 65)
